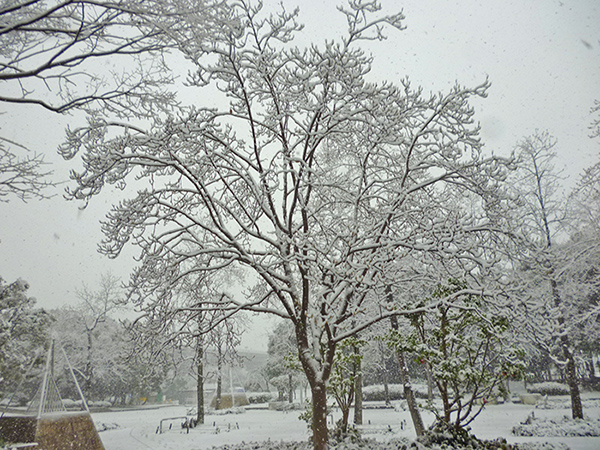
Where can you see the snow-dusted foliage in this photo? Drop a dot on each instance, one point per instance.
(465, 346)
(49, 52)
(557, 277)
(283, 369)
(396, 444)
(21, 176)
(376, 392)
(561, 427)
(549, 388)
(582, 256)
(173, 319)
(50, 56)
(562, 403)
(306, 173)
(94, 341)
(23, 336)
(100, 350)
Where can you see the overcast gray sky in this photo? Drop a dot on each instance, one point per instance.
(542, 57)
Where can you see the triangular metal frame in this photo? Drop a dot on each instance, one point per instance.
(83, 400)
(47, 398)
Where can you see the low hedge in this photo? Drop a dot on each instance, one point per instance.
(260, 397)
(376, 393)
(549, 388)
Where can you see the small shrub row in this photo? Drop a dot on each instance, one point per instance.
(565, 427)
(260, 397)
(376, 392)
(74, 404)
(549, 388)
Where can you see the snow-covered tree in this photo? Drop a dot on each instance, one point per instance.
(52, 51)
(23, 334)
(379, 366)
(50, 56)
(581, 273)
(93, 310)
(541, 267)
(173, 319)
(342, 383)
(100, 360)
(306, 172)
(409, 395)
(223, 339)
(23, 177)
(464, 343)
(120, 371)
(283, 369)
(94, 341)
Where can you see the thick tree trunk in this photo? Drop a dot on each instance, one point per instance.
(571, 370)
(386, 391)
(219, 386)
(576, 406)
(384, 374)
(200, 382)
(317, 376)
(319, 409)
(445, 401)
(358, 395)
(429, 382)
(317, 369)
(415, 414)
(89, 369)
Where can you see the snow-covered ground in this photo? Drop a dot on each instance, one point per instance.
(138, 429)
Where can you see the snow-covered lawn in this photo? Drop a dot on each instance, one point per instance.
(138, 429)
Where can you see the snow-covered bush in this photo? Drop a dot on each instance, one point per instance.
(100, 404)
(224, 412)
(558, 427)
(376, 392)
(71, 404)
(393, 444)
(101, 426)
(17, 399)
(466, 347)
(360, 444)
(261, 397)
(444, 435)
(549, 388)
(23, 336)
